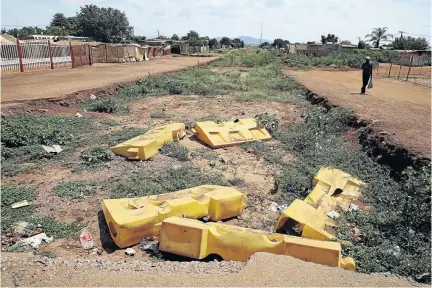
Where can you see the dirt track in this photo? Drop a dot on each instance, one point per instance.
(262, 269)
(57, 83)
(398, 109)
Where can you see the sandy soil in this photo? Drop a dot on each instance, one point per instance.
(57, 83)
(262, 269)
(399, 109)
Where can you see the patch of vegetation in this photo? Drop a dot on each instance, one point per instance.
(22, 138)
(75, 189)
(48, 254)
(160, 114)
(206, 153)
(269, 121)
(122, 135)
(110, 123)
(176, 178)
(108, 105)
(96, 155)
(271, 153)
(242, 58)
(175, 150)
(9, 216)
(395, 234)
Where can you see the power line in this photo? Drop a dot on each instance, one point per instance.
(415, 34)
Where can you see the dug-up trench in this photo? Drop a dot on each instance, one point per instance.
(73, 266)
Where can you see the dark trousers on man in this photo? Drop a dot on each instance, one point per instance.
(365, 82)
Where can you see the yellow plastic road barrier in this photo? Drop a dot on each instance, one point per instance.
(230, 133)
(146, 146)
(334, 189)
(304, 220)
(194, 239)
(131, 219)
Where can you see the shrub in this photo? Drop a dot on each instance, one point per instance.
(160, 114)
(109, 105)
(269, 121)
(96, 155)
(175, 150)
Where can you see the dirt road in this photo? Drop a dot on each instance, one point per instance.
(398, 109)
(56, 83)
(262, 269)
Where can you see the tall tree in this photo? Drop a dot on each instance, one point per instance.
(57, 31)
(213, 42)
(332, 38)
(175, 37)
(346, 42)
(237, 43)
(103, 24)
(225, 41)
(280, 43)
(265, 44)
(378, 36)
(59, 20)
(410, 43)
(361, 44)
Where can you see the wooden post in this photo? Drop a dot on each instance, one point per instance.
(391, 64)
(71, 54)
(90, 55)
(106, 54)
(118, 56)
(50, 54)
(20, 56)
(400, 67)
(409, 70)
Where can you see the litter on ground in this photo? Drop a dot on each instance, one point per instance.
(20, 204)
(35, 241)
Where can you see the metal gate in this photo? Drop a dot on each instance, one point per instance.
(80, 55)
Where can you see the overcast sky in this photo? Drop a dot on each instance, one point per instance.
(294, 20)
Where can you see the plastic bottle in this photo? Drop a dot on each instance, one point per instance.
(86, 239)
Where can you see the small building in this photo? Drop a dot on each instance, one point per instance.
(157, 42)
(414, 57)
(74, 38)
(42, 37)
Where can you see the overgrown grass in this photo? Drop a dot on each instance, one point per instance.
(269, 121)
(108, 105)
(9, 216)
(400, 215)
(22, 137)
(122, 135)
(175, 150)
(176, 178)
(76, 189)
(95, 155)
(189, 124)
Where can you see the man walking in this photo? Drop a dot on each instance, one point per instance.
(367, 74)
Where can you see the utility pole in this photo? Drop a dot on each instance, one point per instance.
(158, 33)
(261, 32)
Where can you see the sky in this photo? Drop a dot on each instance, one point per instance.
(293, 20)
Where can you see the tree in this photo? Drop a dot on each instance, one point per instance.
(262, 45)
(378, 36)
(329, 38)
(59, 20)
(72, 26)
(137, 39)
(213, 42)
(103, 24)
(192, 35)
(410, 43)
(3, 30)
(56, 31)
(361, 44)
(237, 43)
(280, 43)
(175, 37)
(226, 41)
(346, 42)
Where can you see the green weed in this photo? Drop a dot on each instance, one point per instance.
(109, 105)
(269, 121)
(160, 114)
(175, 150)
(122, 135)
(75, 189)
(96, 155)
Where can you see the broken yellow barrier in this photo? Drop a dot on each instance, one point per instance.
(230, 133)
(194, 239)
(334, 189)
(146, 146)
(131, 219)
(304, 220)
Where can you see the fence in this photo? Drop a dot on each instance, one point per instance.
(41, 55)
(413, 69)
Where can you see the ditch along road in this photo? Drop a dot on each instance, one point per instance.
(20, 87)
(263, 269)
(400, 111)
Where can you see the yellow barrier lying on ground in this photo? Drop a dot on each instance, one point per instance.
(131, 219)
(334, 189)
(302, 219)
(146, 146)
(194, 239)
(230, 133)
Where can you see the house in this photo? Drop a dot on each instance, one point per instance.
(157, 42)
(73, 38)
(414, 57)
(42, 37)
